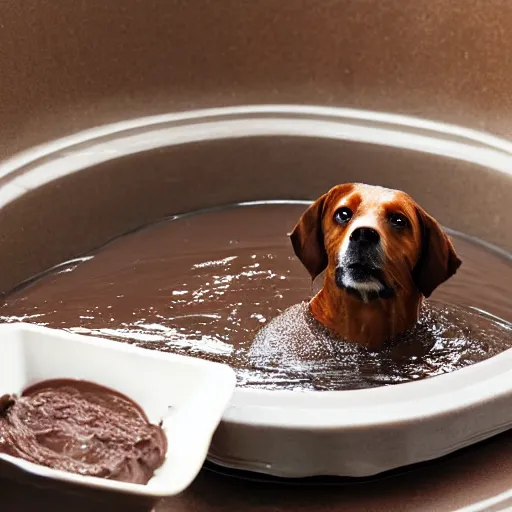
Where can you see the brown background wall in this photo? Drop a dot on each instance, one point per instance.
(65, 66)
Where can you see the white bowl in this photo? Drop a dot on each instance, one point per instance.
(189, 395)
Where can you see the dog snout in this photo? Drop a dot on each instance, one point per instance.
(365, 236)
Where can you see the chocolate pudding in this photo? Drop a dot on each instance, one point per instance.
(204, 284)
(82, 428)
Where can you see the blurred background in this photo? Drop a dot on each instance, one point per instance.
(66, 66)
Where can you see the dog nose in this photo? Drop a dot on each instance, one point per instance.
(366, 236)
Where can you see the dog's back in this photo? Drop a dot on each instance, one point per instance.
(293, 338)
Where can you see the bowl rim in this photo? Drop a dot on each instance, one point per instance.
(410, 402)
(32, 168)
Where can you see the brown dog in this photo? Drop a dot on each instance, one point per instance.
(381, 252)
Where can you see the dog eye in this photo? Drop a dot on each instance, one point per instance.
(398, 220)
(343, 215)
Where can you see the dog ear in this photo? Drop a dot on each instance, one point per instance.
(308, 239)
(438, 260)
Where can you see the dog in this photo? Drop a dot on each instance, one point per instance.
(381, 254)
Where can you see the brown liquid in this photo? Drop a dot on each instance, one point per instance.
(204, 284)
(82, 428)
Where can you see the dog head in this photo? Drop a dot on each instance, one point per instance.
(374, 242)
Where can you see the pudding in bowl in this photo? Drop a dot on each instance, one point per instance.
(81, 427)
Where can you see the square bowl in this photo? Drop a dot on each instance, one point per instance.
(188, 395)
